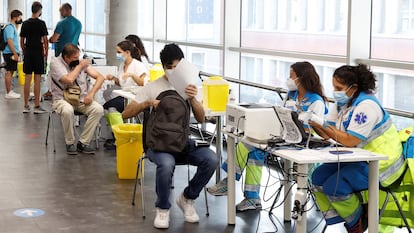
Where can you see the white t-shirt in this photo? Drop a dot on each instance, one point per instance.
(366, 115)
(136, 67)
(152, 89)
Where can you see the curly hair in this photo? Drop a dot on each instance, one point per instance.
(360, 75)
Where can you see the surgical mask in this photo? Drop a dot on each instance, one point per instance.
(73, 64)
(168, 72)
(291, 85)
(119, 57)
(341, 98)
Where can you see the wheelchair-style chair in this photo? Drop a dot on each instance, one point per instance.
(390, 192)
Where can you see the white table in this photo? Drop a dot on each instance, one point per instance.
(303, 158)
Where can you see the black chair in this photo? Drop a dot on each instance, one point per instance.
(390, 192)
(140, 174)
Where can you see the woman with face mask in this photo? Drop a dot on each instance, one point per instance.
(131, 74)
(306, 94)
(362, 122)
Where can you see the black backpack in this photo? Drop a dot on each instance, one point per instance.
(167, 127)
(3, 43)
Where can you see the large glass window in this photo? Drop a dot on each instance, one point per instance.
(195, 21)
(145, 20)
(309, 26)
(3, 10)
(393, 30)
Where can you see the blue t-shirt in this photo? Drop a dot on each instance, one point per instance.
(10, 32)
(69, 30)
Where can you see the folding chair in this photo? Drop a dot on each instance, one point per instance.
(390, 192)
(50, 122)
(140, 173)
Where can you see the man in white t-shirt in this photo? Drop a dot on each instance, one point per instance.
(202, 157)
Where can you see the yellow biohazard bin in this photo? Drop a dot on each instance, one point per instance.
(215, 93)
(156, 71)
(22, 75)
(128, 140)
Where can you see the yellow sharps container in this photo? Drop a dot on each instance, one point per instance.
(156, 71)
(215, 93)
(22, 75)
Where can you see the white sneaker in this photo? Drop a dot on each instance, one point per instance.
(162, 218)
(12, 95)
(187, 206)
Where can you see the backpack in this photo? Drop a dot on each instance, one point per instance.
(167, 128)
(3, 43)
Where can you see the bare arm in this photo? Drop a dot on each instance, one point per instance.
(133, 108)
(196, 106)
(22, 45)
(340, 136)
(54, 38)
(10, 43)
(45, 45)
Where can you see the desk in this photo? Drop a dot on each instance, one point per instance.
(303, 158)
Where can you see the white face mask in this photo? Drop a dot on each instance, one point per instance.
(291, 85)
(168, 72)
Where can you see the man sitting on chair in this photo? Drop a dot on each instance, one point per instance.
(202, 157)
(67, 70)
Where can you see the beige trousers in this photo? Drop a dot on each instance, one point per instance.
(93, 111)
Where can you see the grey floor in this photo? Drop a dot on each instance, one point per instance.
(83, 194)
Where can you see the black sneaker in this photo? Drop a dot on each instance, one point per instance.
(110, 144)
(86, 149)
(71, 149)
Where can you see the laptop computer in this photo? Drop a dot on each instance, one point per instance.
(293, 131)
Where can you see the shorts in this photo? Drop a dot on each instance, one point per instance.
(10, 64)
(33, 62)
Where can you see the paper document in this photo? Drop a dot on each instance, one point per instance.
(182, 75)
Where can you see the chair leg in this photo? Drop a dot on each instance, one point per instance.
(140, 174)
(206, 201)
(401, 212)
(50, 122)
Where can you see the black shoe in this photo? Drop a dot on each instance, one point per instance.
(86, 149)
(71, 149)
(110, 144)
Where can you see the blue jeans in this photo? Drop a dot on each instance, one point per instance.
(203, 158)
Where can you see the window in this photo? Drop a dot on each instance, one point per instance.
(195, 21)
(393, 30)
(3, 10)
(145, 21)
(296, 25)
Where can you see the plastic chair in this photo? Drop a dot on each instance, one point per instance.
(77, 114)
(389, 192)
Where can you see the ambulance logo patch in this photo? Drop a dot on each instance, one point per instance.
(360, 118)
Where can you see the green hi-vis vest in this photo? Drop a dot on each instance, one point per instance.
(405, 196)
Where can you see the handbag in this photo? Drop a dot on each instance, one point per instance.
(72, 95)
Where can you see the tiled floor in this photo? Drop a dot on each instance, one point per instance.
(83, 194)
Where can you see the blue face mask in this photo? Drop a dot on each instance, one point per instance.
(341, 98)
(119, 57)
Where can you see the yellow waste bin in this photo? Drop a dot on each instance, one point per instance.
(22, 75)
(215, 93)
(156, 71)
(128, 140)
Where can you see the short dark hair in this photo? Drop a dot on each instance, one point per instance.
(67, 6)
(36, 7)
(170, 53)
(15, 14)
(69, 49)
